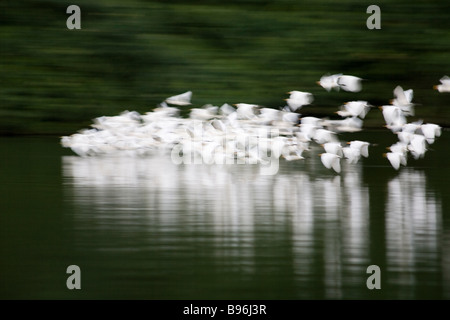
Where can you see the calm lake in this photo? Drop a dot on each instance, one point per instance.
(146, 228)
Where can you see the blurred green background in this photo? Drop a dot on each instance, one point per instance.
(131, 55)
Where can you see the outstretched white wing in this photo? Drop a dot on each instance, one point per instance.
(183, 99)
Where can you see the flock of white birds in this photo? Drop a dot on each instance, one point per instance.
(250, 133)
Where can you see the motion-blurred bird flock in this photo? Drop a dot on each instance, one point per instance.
(250, 133)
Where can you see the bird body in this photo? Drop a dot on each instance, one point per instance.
(362, 146)
(349, 83)
(340, 81)
(396, 159)
(417, 146)
(430, 131)
(246, 111)
(298, 99)
(356, 109)
(329, 82)
(334, 148)
(331, 161)
(444, 86)
(403, 100)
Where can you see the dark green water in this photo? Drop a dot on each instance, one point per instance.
(149, 229)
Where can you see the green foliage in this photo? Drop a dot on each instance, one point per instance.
(131, 55)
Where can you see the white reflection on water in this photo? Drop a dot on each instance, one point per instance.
(413, 229)
(324, 216)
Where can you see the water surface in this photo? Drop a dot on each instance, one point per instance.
(145, 228)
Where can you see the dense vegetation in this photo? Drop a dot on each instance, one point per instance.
(133, 54)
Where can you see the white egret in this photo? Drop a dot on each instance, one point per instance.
(298, 99)
(403, 100)
(399, 147)
(331, 161)
(290, 117)
(430, 131)
(417, 146)
(405, 136)
(334, 148)
(444, 86)
(311, 120)
(322, 136)
(352, 155)
(362, 146)
(350, 124)
(329, 82)
(349, 83)
(246, 111)
(396, 159)
(394, 117)
(354, 109)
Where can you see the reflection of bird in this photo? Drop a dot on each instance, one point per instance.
(444, 86)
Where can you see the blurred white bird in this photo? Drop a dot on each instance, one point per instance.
(430, 131)
(297, 99)
(315, 121)
(361, 146)
(308, 130)
(394, 117)
(329, 82)
(405, 136)
(183, 99)
(399, 147)
(349, 83)
(322, 136)
(246, 111)
(334, 148)
(291, 117)
(417, 146)
(403, 100)
(412, 127)
(352, 155)
(396, 159)
(444, 86)
(206, 113)
(354, 109)
(331, 161)
(226, 109)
